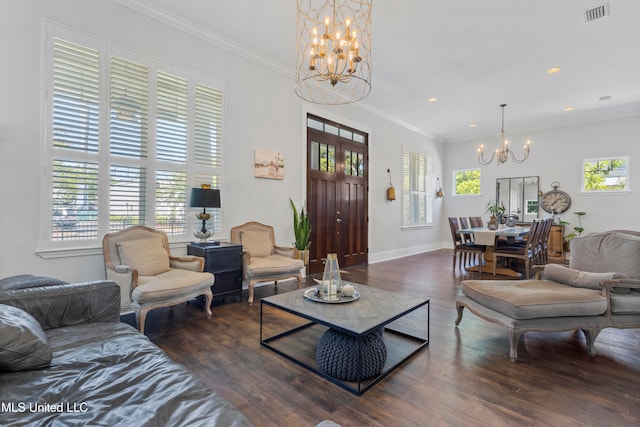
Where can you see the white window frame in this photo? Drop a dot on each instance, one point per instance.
(454, 188)
(627, 177)
(196, 173)
(409, 192)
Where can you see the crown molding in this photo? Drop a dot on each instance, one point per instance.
(204, 34)
(209, 36)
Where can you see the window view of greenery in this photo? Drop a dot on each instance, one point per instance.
(467, 182)
(605, 174)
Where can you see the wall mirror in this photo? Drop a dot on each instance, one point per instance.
(519, 197)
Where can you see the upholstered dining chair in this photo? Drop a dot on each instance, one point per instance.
(262, 259)
(461, 249)
(138, 260)
(527, 252)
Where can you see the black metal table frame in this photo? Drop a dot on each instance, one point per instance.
(359, 390)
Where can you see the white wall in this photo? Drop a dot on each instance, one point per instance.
(556, 155)
(262, 111)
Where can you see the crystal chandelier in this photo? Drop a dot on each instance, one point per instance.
(503, 153)
(333, 61)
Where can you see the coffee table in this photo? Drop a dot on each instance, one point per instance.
(295, 335)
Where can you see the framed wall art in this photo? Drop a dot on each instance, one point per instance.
(268, 165)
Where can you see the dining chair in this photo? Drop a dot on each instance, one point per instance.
(527, 252)
(464, 223)
(475, 221)
(461, 248)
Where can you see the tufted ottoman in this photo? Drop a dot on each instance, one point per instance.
(338, 355)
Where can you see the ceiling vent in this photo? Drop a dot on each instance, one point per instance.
(597, 12)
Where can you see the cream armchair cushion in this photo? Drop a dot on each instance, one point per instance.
(148, 256)
(263, 260)
(257, 243)
(138, 260)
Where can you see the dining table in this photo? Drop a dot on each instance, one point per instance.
(489, 238)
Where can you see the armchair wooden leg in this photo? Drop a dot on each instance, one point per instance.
(251, 286)
(141, 316)
(208, 299)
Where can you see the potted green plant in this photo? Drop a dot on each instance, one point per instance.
(301, 232)
(496, 212)
(577, 231)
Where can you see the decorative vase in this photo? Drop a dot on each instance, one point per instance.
(493, 223)
(303, 254)
(331, 287)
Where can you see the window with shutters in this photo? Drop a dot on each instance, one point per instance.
(417, 209)
(127, 137)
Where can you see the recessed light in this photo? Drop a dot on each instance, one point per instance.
(553, 70)
(432, 99)
(568, 108)
(473, 125)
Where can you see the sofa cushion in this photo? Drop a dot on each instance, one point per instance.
(531, 299)
(607, 251)
(148, 256)
(273, 264)
(109, 374)
(576, 278)
(23, 343)
(257, 242)
(170, 285)
(23, 281)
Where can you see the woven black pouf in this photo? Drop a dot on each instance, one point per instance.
(337, 355)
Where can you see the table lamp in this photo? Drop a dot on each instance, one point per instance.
(204, 197)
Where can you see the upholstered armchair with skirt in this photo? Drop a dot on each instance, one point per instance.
(138, 260)
(263, 260)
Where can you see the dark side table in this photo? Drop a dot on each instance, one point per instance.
(224, 261)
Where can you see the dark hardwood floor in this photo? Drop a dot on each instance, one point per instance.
(463, 378)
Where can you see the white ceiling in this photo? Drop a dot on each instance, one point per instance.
(472, 55)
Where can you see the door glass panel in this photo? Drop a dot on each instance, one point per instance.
(347, 162)
(323, 157)
(360, 164)
(315, 155)
(314, 124)
(346, 134)
(331, 129)
(331, 159)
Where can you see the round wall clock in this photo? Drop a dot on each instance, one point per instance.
(555, 200)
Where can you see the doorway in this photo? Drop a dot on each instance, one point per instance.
(337, 192)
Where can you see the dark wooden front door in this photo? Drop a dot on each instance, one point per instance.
(337, 193)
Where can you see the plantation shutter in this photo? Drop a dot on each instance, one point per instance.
(128, 139)
(75, 117)
(139, 134)
(171, 125)
(208, 147)
(414, 194)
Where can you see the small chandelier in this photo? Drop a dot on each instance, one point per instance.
(502, 155)
(333, 62)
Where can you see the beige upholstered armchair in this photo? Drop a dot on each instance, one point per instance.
(262, 260)
(138, 260)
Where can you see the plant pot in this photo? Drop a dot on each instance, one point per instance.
(303, 254)
(493, 223)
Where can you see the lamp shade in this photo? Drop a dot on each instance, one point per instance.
(205, 198)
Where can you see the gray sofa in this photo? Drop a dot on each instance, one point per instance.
(66, 359)
(599, 289)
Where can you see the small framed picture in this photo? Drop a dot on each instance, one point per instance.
(268, 165)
